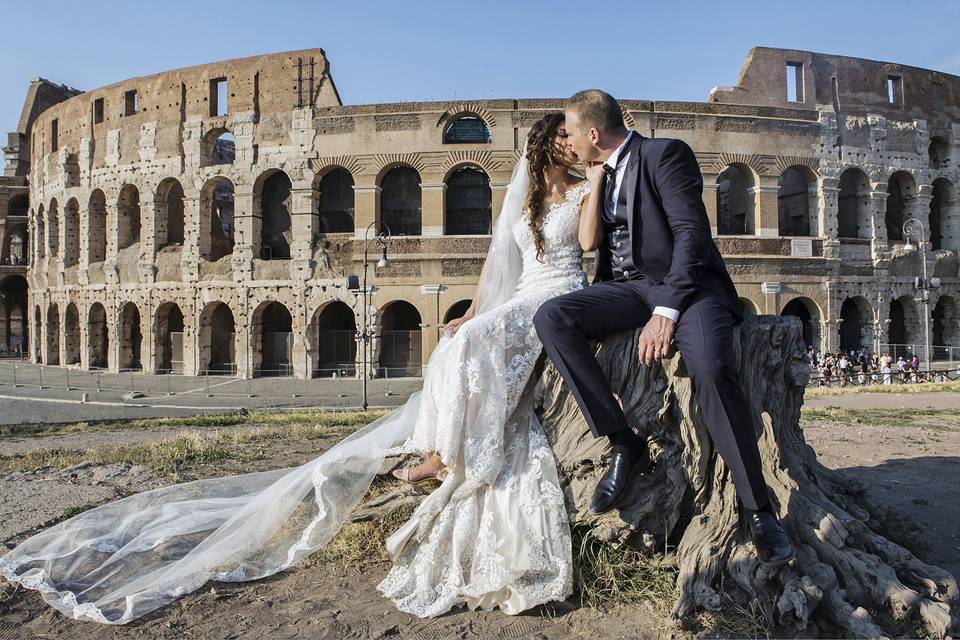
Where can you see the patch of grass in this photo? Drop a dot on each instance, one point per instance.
(935, 419)
(815, 392)
(605, 575)
(734, 620)
(359, 544)
(69, 512)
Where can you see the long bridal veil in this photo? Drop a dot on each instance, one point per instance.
(119, 561)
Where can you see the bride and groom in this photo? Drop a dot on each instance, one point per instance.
(494, 533)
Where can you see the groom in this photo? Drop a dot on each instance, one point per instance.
(657, 267)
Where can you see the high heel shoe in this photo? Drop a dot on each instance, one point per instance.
(404, 474)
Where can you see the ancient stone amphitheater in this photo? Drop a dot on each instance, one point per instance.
(208, 219)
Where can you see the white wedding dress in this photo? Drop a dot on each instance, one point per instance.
(494, 534)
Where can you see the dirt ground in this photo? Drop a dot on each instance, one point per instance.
(907, 458)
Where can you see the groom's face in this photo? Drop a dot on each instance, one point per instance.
(581, 140)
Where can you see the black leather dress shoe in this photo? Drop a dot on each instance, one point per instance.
(612, 484)
(773, 545)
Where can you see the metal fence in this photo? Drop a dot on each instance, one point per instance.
(862, 379)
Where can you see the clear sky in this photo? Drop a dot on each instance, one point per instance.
(409, 50)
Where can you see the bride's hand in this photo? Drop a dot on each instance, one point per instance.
(451, 328)
(595, 173)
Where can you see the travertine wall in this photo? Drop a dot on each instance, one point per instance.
(100, 205)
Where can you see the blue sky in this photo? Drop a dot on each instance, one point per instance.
(401, 51)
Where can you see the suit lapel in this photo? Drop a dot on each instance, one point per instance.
(630, 179)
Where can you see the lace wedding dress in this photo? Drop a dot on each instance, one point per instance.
(494, 534)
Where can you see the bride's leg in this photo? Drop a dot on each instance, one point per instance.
(432, 467)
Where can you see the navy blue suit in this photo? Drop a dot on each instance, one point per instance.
(677, 266)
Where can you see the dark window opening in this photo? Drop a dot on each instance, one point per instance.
(131, 103)
(218, 97)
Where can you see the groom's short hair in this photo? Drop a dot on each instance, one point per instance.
(598, 109)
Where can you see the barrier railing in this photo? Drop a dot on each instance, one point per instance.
(860, 378)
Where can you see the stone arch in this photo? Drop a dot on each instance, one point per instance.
(272, 333)
(853, 210)
(736, 201)
(13, 319)
(944, 220)
(71, 233)
(217, 226)
(856, 327)
(401, 201)
(169, 213)
(466, 128)
(333, 333)
(16, 245)
(168, 338)
(468, 202)
(96, 227)
(98, 339)
(18, 205)
(749, 307)
(904, 330)
(945, 329)
(400, 340)
(272, 201)
(901, 190)
(218, 146)
(128, 216)
(53, 229)
(797, 202)
(53, 335)
(457, 310)
(71, 335)
(809, 314)
(129, 338)
(40, 236)
(335, 200)
(217, 339)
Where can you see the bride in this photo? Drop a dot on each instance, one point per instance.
(493, 534)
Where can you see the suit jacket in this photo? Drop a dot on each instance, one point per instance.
(669, 229)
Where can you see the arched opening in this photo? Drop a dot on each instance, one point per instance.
(468, 203)
(273, 334)
(797, 202)
(735, 201)
(901, 188)
(749, 308)
(809, 314)
(131, 338)
(16, 246)
(13, 326)
(400, 201)
(944, 216)
(276, 232)
(37, 319)
(946, 329)
(71, 335)
(400, 340)
(71, 233)
(53, 335)
(41, 235)
(218, 146)
(336, 201)
(168, 337)
(336, 335)
(903, 329)
(217, 340)
(53, 229)
(938, 153)
(19, 205)
(856, 328)
(853, 212)
(128, 217)
(169, 213)
(457, 310)
(216, 219)
(98, 341)
(467, 129)
(97, 227)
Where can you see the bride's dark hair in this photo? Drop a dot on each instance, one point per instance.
(540, 154)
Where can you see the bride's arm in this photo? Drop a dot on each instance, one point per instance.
(591, 231)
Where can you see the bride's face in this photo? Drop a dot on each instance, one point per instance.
(561, 146)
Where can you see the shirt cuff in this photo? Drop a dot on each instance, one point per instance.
(667, 312)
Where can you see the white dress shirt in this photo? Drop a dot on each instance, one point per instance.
(610, 205)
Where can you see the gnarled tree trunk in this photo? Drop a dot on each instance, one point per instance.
(845, 574)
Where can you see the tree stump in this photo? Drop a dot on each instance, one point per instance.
(846, 576)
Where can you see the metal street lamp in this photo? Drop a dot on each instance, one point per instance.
(364, 336)
(913, 228)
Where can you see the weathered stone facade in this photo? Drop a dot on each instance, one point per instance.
(172, 231)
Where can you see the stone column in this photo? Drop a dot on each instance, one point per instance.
(710, 187)
(148, 244)
(828, 228)
(245, 234)
(195, 243)
(876, 203)
(919, 208)
(302, 230)
(433, 203)
(366, 204)
(767, 216)
(498, 193)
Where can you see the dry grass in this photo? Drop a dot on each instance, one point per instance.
(914, 418)
(926, 387)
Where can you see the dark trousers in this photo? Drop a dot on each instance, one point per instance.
(704, 336)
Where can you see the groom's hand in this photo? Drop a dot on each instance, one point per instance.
(655, 339)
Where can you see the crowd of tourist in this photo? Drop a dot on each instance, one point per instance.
(860, 367)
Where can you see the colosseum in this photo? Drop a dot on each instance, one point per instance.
(216, 218)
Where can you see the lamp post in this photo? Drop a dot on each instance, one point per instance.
(363, 335)
(914, 228)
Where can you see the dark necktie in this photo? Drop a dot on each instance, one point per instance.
(609, 182)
